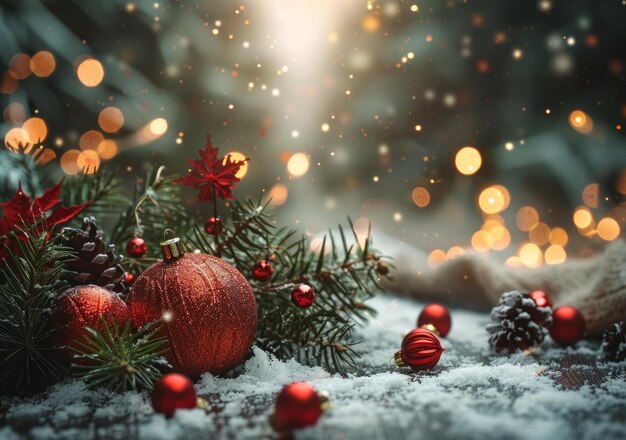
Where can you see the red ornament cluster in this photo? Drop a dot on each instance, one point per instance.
(420, 350)
(568, 325)
(173, 391)
(137, 247)
(262, 271)
(303, 296)
(298, 405)
(438, 316)
(214, 226)
(541, 298)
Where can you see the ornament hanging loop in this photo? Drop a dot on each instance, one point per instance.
(172, 248)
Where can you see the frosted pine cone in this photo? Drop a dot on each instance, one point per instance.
(614, 343)
(521, 324)
(95, 263)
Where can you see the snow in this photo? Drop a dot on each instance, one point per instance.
(472, 393)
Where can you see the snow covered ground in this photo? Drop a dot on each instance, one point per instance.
(554, 394)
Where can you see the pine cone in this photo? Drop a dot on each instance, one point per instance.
(521, 323)
(614, 343)
(95, 263)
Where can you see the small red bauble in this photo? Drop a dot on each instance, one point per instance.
(568, 325)
(303, 296)
(173, 391)
(421, 350)
(214, 226)
(438, 316)
(262, 271)
(136, 247)
(541, 298)
(297, 405)
(84, 306)
(129, 278)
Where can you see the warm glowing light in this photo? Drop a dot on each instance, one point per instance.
(559, 236)
(107, 149)
(278, 194)
(583, 218)
(481, 241)
(243, 169)
(370, 23)
(494, 199)
(580, 121)
(8, 84)
(420, 196)
(362, 227)
(325, 127)
(468, 160)
(531, 255)
(591, 194)
(111, 119)
(298, 165)
(555, 254)
(540, 234)
(527, 218)
(42, 64)
(17, 138)
(14, 113)
(45, 156)
(608, 229)
(19, 66)
(514, 261)
(90, 140)
(500, 238)
(158, 126)
(90, 72)
(436, 257)
(88, 161)
(415, 8)
(455, 251)
(69, 162)
(37, 130)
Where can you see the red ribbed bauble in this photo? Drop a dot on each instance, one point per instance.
(303, 296)
(297, 405)
(568, 325)
(83, 306)
(136, 247)
(208, 309)
(421, 350)
(262, 271)
(173, 391)
(541, 298)
(214, 226)
(438, 316)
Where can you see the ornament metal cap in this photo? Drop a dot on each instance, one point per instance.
(432, 328)
(172, 248)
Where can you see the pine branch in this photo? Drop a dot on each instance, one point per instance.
(119, 359)
(31, 282)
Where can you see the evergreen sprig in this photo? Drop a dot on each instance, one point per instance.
(342, 272)
(31, 281)
(120, 359)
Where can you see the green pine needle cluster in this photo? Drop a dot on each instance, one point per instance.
(30, 284)
(119, 358)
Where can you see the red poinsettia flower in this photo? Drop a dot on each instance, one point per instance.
(22, 209)
(213, 176)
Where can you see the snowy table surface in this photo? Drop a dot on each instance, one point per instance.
(554, 394)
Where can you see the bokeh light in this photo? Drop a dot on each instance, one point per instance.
(298, 165)
(481, 241)
(111, 119)
(608, 229)
(69, 161)
(468, 160)
(90, 140)
(540, 234)
(580, 121)
(494, 199)
(42, 64)
(16, 137)
(583, 218)
(90, 72)
(19, 66)
(107, 149)
(237, 156)
(88, 161)
(278, 194)
(420, 196)
(36, 129)
(530, 254)
(526, 218)
(436, 258)
(559, 236)
(555, 254)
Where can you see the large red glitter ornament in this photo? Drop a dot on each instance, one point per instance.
(303, 296)
(262, 271)
(568, 325)
(214, 226)
(173, 391)
(136, 247)
(208, 309)
(541, 298)
(421, 350)
(438, 316)
(297, 405)
(84, 306)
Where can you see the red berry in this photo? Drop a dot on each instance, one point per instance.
(568, 325)
(136, 247)
(173, 391)
(262, 271)
(437, 316)
(129, 278)
(303, 296)
(214, 226)
(297, 405)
